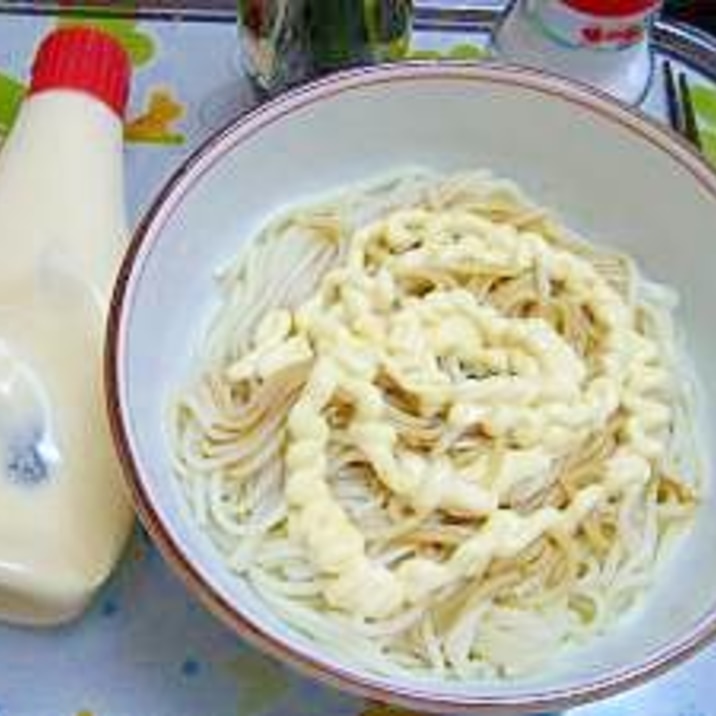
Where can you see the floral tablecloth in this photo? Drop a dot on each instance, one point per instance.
(147, 648)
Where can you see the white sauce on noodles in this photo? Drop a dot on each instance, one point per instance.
(454, 426)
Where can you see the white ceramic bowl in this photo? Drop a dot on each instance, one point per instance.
(611, 173)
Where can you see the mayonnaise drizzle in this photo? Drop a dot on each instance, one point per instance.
(521, 382)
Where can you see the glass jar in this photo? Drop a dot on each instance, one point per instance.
(288, 41)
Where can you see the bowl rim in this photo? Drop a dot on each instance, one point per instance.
(148, 230)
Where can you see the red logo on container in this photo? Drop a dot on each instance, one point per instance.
(596, 35)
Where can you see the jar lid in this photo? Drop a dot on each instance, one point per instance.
(612, 8)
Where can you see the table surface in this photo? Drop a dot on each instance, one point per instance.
(146, 647)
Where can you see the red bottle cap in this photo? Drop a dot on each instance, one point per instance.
(612, 8)
(86, 60)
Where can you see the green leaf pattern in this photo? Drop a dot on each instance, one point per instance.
(138, 43)
(460, 51)
(708, 144)
(11, 95)
(704, 100)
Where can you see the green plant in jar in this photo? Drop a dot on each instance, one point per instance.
(287, 41)
(346, 32)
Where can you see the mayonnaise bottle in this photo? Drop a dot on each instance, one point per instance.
(64, 515)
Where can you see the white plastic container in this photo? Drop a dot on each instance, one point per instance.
(64, 516)
(604, 43)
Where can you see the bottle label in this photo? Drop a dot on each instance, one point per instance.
(571, 28)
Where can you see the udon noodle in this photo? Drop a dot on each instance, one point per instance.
(438, 432)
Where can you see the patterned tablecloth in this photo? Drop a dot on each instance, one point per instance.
(147, 648)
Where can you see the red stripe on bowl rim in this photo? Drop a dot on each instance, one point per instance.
(182, 181)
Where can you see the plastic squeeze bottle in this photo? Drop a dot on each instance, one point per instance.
(64, 515)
